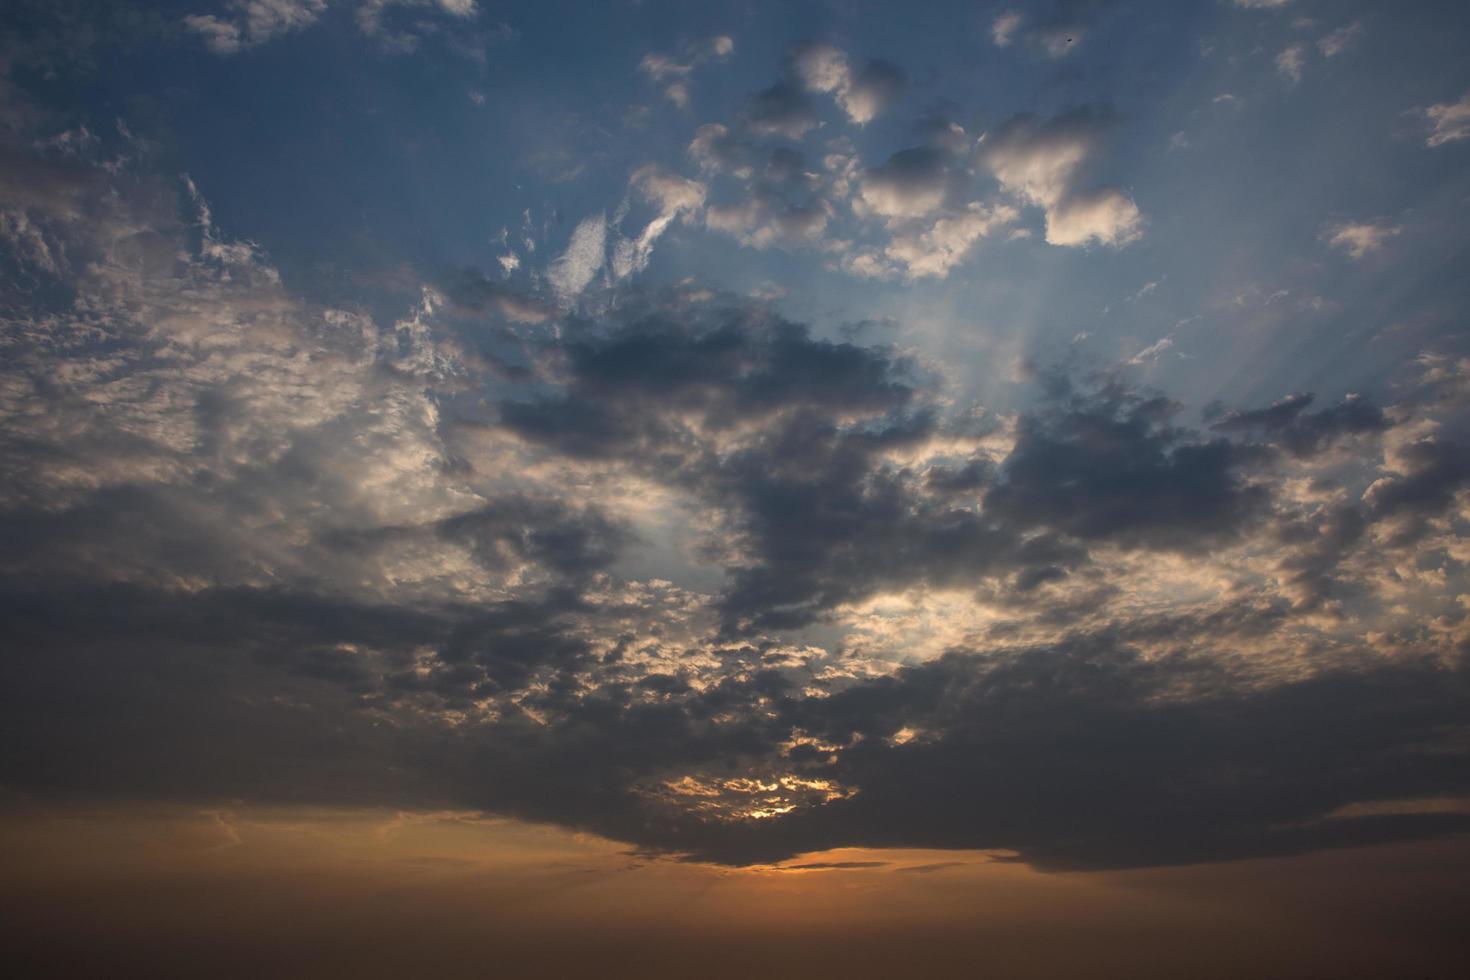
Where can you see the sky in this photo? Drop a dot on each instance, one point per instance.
(813, 488)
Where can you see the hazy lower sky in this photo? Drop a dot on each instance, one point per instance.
(725, 489)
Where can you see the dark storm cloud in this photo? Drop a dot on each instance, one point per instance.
(1079, 756)
(627, 388)
(1303, 433)
(826, 518)
(140, 692)
(570, 542)
(1112, 467)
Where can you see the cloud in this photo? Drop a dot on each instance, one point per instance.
(764, 219)
(862, 94)
(1111, 467)
(781, 109)
(716, 149)
(374, 16)
(933, 251)
(1450, 121)
(574, 270)
(1151, 353)
(1303, 433)
(1358, 239)
(473, 291)
(253, 22)
(1261, 3)
(1042, 163)
(909, 184)
(400, 560)
(1105, 216)
(1003, 29)
(1341, 40)
(674, 72)
(674, 196)
(1291, 61)
(1058, 30)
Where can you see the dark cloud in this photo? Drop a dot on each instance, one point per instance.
(880, 81)
(1433, 473)
(1112, 467)
(570, 542)
(783, 109)
(1079, 756)
(1303, 433)
(909, 183)
(473, 291)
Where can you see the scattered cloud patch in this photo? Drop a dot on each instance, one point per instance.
(1291, 61)
(1449, 121)
(252, 22)
(1341, 40)
(862, 94)
(1360, 238)
(1003, 29)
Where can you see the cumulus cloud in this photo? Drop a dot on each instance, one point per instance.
(909, 184)
(862, 94)
(782, 109)
(934, 250)
(1106, 216)
(1042, 162)
(716, 148)
(763, 219)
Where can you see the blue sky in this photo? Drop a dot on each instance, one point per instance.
(348, 153)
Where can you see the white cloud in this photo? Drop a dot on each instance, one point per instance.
(716, 149)
(1041, 163)
(1107, 217)
(1261, 3)
(674, 196)
(1151, 353)
(1340, 40)
(932, 251)
(574, 271)
(253, 22)
(1003, 30)
(1357, 239)
(1291, 61)
(674, 72)
(823, 68)
(763, 220)
(371, 14)
(1451, 121)
(862, 94)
